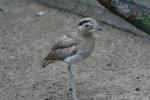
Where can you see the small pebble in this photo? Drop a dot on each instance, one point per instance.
(41, 13)
(138, 77)
(11, 57)
(3, 48)
(137, 89)
(109, 65)
(46, 99)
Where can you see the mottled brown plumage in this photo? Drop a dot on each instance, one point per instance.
(63, 47)
(68, 45)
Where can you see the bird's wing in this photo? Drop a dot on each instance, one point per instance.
(65, 41)
(63, 47)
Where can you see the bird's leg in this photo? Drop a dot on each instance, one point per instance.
(71, 84)
(70, 80)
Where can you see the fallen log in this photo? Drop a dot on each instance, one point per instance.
(137, 15)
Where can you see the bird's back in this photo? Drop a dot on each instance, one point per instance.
(63, 47)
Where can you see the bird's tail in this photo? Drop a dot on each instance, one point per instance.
(45, 63)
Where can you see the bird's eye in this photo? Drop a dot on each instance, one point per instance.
(88, 26)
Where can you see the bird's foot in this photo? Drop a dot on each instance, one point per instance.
(70, 90)
(72, 95)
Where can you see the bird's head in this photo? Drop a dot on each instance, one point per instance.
(88, 26)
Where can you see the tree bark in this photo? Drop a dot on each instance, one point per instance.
(136, 14)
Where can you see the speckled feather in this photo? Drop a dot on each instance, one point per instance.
(63, 47)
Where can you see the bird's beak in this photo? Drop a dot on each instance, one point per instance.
(99, 29)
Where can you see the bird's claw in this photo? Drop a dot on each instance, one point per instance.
(70, 90)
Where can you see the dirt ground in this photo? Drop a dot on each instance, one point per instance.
(119, 68)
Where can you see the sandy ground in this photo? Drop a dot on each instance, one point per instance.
(119, 68)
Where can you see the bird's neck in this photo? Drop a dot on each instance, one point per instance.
(85, 35)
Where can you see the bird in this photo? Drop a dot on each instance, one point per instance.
(74, 48)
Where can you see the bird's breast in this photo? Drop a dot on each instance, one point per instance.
(86, 48)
